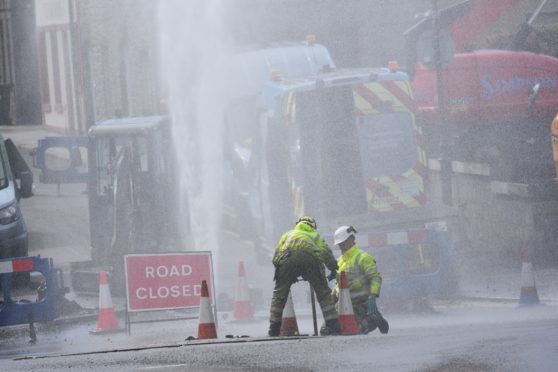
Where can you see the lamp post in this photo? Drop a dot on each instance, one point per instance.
(443, 119)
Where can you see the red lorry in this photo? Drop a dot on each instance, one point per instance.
(499, 103)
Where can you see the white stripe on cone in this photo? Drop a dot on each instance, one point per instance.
(289, 326)
(206, 327)
(345, 304)
(107, 316)
(289, 308)
(206, 315)
(346, 314)
(242, 306)
(528, 293)
(105, 299)
(527, 278)
(242, 289)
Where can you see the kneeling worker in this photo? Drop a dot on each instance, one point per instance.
(364, 280)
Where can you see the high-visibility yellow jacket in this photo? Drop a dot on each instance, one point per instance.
(306, 238)
(361, 271)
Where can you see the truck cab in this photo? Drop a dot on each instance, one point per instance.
(132, 190)
(333, 145)
(499, 104)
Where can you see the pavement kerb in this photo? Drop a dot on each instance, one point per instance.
(507, 300)
(180, 344)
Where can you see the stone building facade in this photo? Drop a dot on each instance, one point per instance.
(19, 93)
(97, 61)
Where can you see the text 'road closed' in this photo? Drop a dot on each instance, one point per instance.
(165, 281)
(164, 292)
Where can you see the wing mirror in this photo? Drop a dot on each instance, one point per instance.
(534, 93)
(20, 170)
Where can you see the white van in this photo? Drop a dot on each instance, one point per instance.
(16, 181)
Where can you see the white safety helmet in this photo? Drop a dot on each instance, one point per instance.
(342, 234)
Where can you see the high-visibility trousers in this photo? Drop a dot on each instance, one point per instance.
(300, 263)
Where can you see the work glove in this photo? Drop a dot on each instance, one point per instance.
(371, 305)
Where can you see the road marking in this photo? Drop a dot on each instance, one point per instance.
(166, 366)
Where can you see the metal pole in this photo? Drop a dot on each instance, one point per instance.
(128, 325)
(536, 12)
(312, 299)
(438, 62)
(445, 171)
(32, 332)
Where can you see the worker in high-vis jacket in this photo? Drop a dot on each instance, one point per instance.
(365, 281)
(302, 252)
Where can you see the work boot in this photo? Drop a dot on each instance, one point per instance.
(274, 329)
(382, 323)
(324, 331)
(376, 319)
(333, 327)
(368, 325)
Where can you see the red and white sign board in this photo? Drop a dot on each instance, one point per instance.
(168, 280)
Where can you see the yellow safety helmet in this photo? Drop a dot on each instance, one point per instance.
(309, 221)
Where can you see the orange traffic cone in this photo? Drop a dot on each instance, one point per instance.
(346, 313)
(242, 306)
(289, 327)
(206, 327)
(107, 317)
(528, 294)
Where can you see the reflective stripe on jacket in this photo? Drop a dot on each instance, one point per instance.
(361, 271)
(305, 238)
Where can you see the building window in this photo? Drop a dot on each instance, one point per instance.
(43, 66)
(56, 70)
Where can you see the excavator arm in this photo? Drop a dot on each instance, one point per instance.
(482, 14)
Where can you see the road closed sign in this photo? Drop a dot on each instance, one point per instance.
(167, 281)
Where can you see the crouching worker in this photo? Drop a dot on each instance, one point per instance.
(303, 252)
(364, 280)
